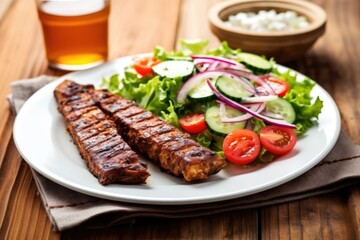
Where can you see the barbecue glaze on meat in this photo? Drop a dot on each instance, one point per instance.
(159, 141)
(107, 155)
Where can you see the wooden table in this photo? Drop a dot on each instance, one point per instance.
(135, 27)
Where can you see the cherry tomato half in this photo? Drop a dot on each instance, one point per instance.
(241, 146)
(278, 140)
(281, 87)
(193, 123)
(143, 66)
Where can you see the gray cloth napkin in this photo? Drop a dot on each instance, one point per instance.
(68, 209)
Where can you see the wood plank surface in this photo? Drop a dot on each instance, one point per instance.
(4, 5)
(136, 26)
(300, 220)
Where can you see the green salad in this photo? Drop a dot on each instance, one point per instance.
(236, 103)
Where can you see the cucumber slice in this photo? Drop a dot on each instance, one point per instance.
(202, 92)
(174, 69)
(282, 107)
(213, 121)
(230, 88)
(255, 63)
(173, 58)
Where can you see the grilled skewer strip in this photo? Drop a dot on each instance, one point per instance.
(107, 155)
(159, 141)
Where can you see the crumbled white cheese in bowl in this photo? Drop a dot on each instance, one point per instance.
(268, 21)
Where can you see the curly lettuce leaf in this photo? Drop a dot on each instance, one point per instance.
(204, 138)
(224, 51)
(160, 53)
(187, 48)
(307, 108)
(170, 115)
(157, 95)
(190, 46)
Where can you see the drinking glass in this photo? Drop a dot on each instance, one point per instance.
(75, 32)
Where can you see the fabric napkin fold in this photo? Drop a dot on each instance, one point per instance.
(68, 209)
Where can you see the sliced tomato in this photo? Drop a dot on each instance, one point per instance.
(278, 140)
(241, 146)
(193, 123)
(143, 66)
(281, 87)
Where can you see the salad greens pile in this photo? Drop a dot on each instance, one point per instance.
(158, 94)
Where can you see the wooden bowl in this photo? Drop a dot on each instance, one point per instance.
(282, 46)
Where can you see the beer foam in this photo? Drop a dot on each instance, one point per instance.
(72, 8)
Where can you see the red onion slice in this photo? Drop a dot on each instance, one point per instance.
(243, 73)
(215, 58)
(242, 108)
(213, 66)
(202, 64)
(224, 118)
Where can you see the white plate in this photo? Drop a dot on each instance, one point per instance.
(41, 138)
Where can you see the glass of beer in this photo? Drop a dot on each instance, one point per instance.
(75, 32)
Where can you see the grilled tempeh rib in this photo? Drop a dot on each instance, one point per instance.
(159, 141)
(107, 155)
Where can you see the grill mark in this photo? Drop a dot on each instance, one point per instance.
(128, 158)
(74, 115)
(140, 117)
(154, 121)
(120, 150)
(99, 138)
(169, 148)
(95, 130)
(153, 132)
(108, 147)
(102, 95)
(178, 144)
(112, 104)
(151, 145)
(88, 119)
(78, 105)
(128, 112)
(75, 99)
(71, 89)
(161, 133)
